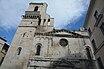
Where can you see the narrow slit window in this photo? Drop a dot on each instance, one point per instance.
(48, 22)
(19, 50)
(1, 60)
(24, 34)
(89, 31)
(39, 21)
(44, 20)
(38, 49)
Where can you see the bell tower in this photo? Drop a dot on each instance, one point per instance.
(36, 16)
(35, 20)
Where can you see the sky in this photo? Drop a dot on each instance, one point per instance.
(68, 14)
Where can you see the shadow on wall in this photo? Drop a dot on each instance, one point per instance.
(72, 61)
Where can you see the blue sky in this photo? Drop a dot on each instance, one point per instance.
(68, 14)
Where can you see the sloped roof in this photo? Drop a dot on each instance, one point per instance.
(66, 33)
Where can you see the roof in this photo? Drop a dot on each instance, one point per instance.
(35, 3)
(92, 2)
(70, 34)
(38, 3)
(3, 39)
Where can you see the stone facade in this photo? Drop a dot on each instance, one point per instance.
(94, 24)
(2, 43)
(37, 45)
(3, 52)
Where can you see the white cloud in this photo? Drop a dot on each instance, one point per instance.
(64, 11)
(10, 12)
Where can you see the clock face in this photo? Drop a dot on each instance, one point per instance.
(63, 42)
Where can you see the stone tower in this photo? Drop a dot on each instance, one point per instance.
(37, 45)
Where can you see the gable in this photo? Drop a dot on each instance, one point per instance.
(62, 33)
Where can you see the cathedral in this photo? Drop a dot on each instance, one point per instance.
(38, 45)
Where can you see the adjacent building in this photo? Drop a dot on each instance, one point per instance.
(3, 52)
(2, 42)
(94, 23)
(38, 45)
(3, 49)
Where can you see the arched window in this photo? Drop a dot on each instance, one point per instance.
(88, 53)
(36, 8)
(19, 50)
(38, 49)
